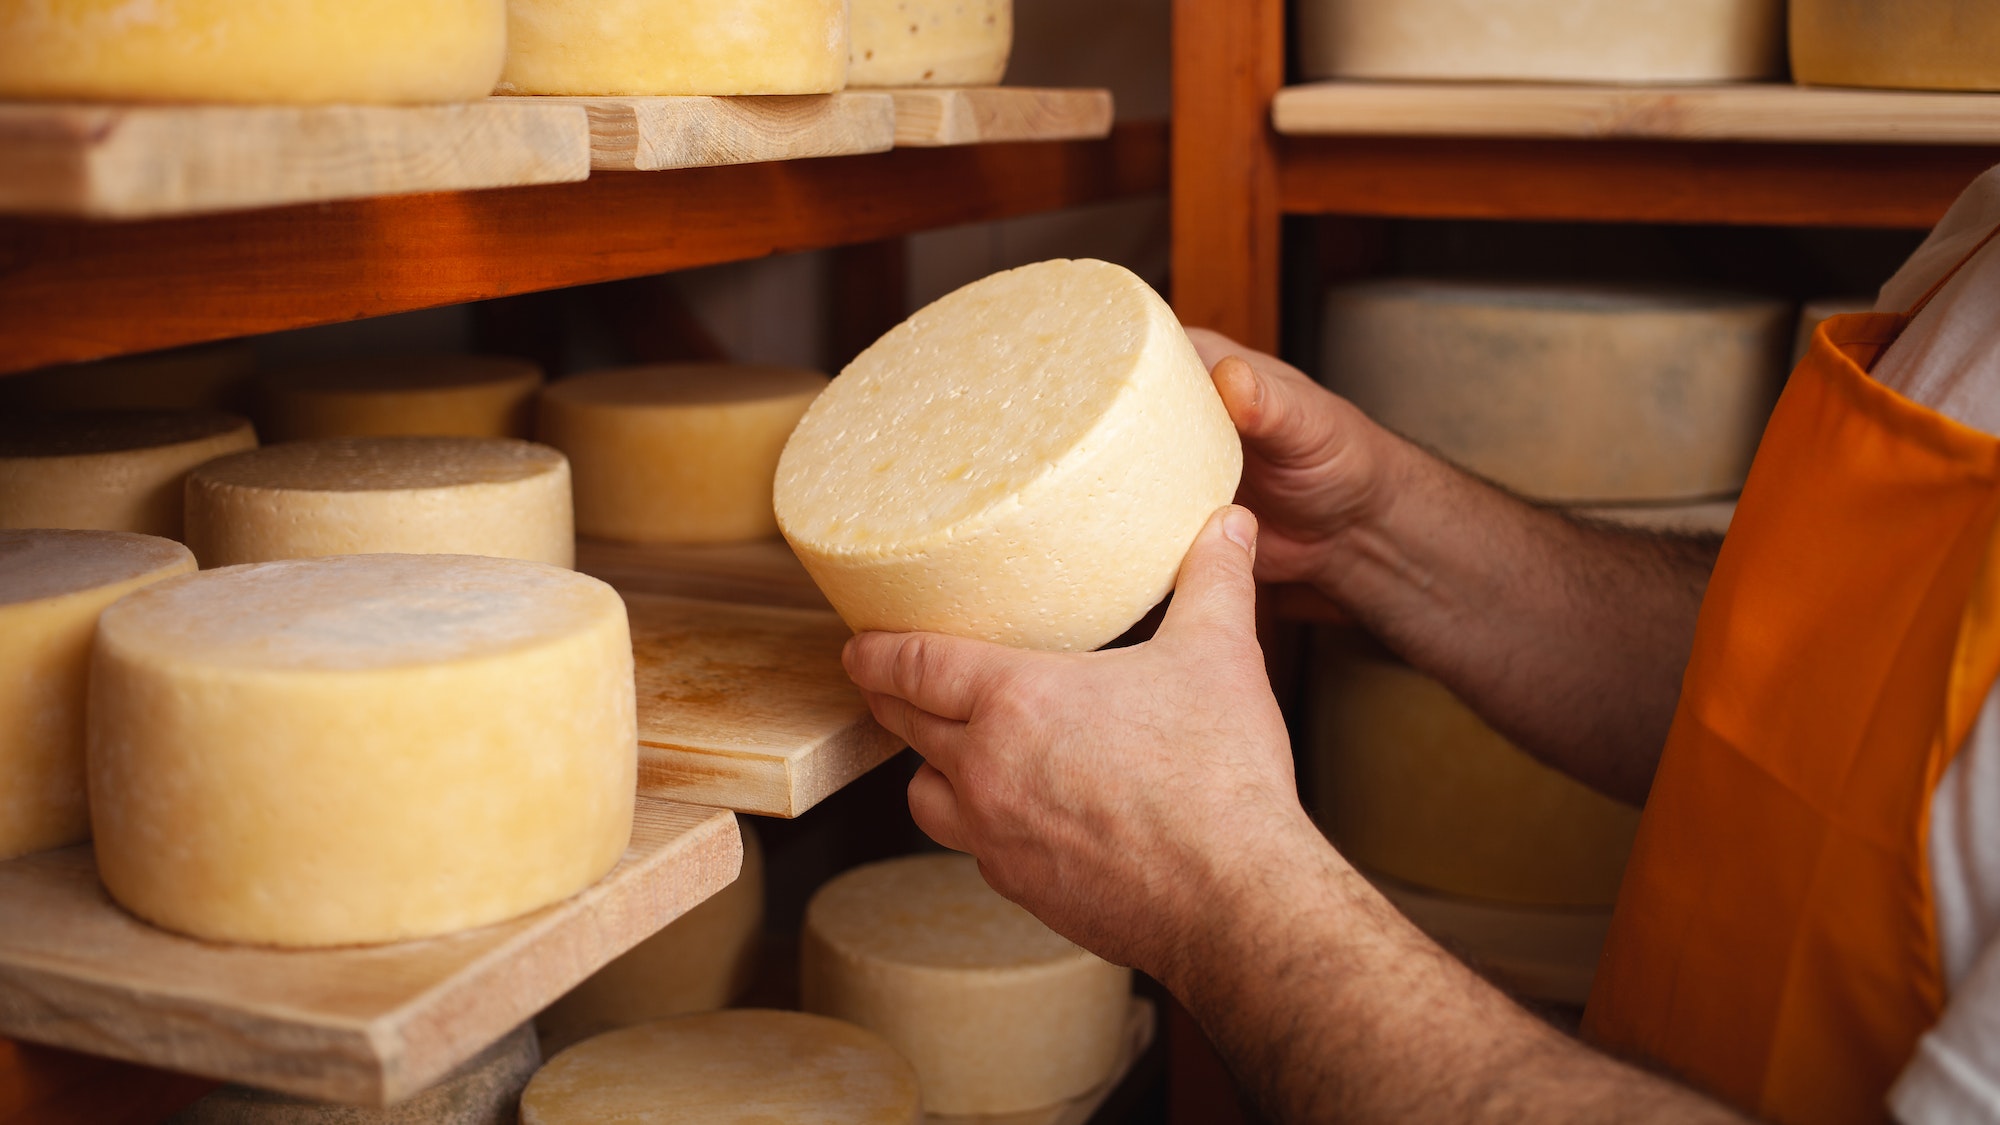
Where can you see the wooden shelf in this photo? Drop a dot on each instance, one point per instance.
(760, 572)
(1139, 1030)
(932, 117)
(657, 134)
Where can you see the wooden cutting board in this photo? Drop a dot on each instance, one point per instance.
(932, 117)
(656, 133)
(760, 572)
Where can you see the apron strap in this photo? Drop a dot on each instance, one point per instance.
(1925, 300)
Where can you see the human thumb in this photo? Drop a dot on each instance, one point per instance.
(1217, 587)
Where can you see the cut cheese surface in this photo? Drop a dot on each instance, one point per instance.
(1896, 44)
(747, 1067)
(676, 453)
(53, 586)
(110, 470)
(998, 1013)
(203, 377)
(1025, 460)
(675, 47)
(930, 42)
(360, 749)
(418, 395)
(410, 495)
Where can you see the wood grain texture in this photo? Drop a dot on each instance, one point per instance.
(1139, 1030)
(658, 133)
(359, 1025)
(128, 162)
(930, 117)
(759, 572)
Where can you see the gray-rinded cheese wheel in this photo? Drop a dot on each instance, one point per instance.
(675, 47)
(930, 42)
(1897, 44)
(202, 377)
(402, 395)
(112, 470)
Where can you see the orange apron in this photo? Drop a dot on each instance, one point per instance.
(1775, 940)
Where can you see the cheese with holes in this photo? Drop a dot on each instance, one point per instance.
(997, 1012)
(1565, 393)
(53, 585)
(421, 395)
(1025, 460)
(108, 470)
(409, 495)
(204, 377)
(676, 453)
(675, 47)
(360, 749)
(1897, 44)
(930, 42)
(300, 51)
(741, 1067)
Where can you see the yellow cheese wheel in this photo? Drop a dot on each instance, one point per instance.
(930, 42)
(998, 1013)
(1544, 953)
(108, 470)
(412, 495)
(676, 453)
(53, 585)
(1897, 44)
(360, 749)
(352, 51)
(746, 1067)
(420, 395)
(675, 47)
(1025, 460)
(203, 377)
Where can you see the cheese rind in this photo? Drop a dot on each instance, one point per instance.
(1904, 44)
(402, 395)
(930, 42)
(109, 470)
(360, 749)
(642, 47)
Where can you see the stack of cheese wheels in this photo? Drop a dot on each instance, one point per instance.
(419, 395)
(930, 42)
(1026, 460)
(727, 1068)
(1666, 41)
(998, 1013)
(1897, 44)
(415, 495)
(676, 453)
(53, 585)
(326, 51)
(108, 470)
(360, 749)
(675, 47)
(204, 377)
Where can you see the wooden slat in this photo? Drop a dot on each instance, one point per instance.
(761, 572)
(928, 117)
(655, 134)
(1139, 1030)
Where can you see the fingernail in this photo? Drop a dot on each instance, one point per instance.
(1241, 528)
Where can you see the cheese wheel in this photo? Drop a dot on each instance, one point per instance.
(108, 470)
(347, 51)
(745, 1067)
(1897, 44)
(53, 584)
(1025, 460)
(418, 395)
(203, 377)
(409, 495)
(1565, 393)
(360, 749)
(675, 47)
(1710, 518)
(676, 453)
(997, 1012)
(1668, 41)
(1541, 953)
(1824, 308)
(929, 42)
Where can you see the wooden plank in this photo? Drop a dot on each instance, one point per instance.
(655, 134)
(128, 162)
(362, 1025)
(760, 572)
(1139, 1030)
(933, 116)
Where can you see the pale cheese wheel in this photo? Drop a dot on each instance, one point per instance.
(744, 1067)
(360, 749)
(675, 47)
(1565, 393)
(1897, 44)
(301, 51)
(202, 377)
(1708, 518)
(998, 1013)
(397, 495)
(1815, 312)
(53, 585)
(1026, 460)
(1542, 953)
(676, 453)
(930, 42)
(402, 395)
(110, 470)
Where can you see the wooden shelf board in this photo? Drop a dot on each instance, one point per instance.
(931, 117)
(759, 572)
(1139, 1030)
(656, 134)
(357, 1025)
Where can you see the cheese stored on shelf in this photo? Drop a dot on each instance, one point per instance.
(640, 47)
(1896, 44)
(112, 470)
(676, 453)
(360, 749)
(402, 395)
(202, 377)
(1025, 460)
(388, 495)
(998, 1013)
(929, 42)
(727, 1068)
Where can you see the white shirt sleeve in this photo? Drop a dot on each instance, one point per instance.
(1955, 1076)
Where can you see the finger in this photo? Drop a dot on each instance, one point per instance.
(1217, 587)
(1281, 414)
(934, 806)
(938, 740)
(946, 676)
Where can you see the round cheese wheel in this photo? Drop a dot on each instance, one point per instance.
(108, 470)
(1897, 44)
(1541, 953)
(348, 51)
(930, 42)
(1565, 393)
(675, 47)
(1710, 518)
(360, 749)
(420, 395)
(53, 585)
(1812, 313)
(1025, 460)
(1543, 40)
(676, 453)
(745, 1067)
(409, 495)
(204, 377)
(998, 1013)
